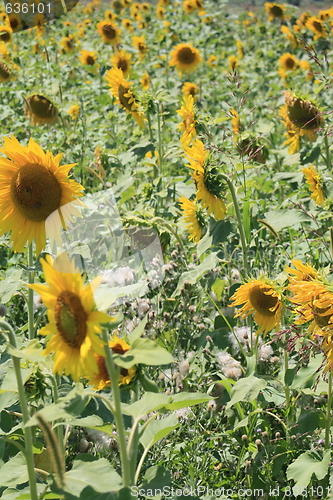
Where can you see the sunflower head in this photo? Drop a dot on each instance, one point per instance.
(6, 33)
(274, 11)
(41, 110)
(74, 111)
(145, 81)
(185, 57)
(15, 22)
(316, 26)
(316, 184)
(122, 60)
(190, 89)
(302, 113)
(302, 272)
(5, 72)
(288, 62)
(87, 57)
(68, 43)
(109, 32)
(194, 216)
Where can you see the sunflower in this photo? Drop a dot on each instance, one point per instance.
(160, 12)
(110, 16)
(121, 89)
(88, 58)
(101, 378)
(305, 66)
(240, 50)
(198, 4)
(288, 62)
(15, 22)
(73, 323)
(317, 27)
(127, 24)
(74, 111)
(68, 43)
(5, 72)
(188, 6)
(41, 110)
(212, 61)
(235, 122)
(261, 297)
(109, 32)
(290, 36)
(209, 187)
(145, 81)
(122, 60)
(187, 113)
(233, 63)
(185, 57)
(194, 217)
(139, 44)
(274, 11)
(6, 33)
(303, 272)
(117, 5)
(190, 89)
(315, 183)
(32, 187)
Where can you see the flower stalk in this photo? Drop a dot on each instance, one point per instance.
(31, 276)
(328, 412)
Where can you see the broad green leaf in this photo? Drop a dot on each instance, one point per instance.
(32, 352)
(305, 465)
(137, 332)
(306, 377)
(218, 287)
(9, 286)
(144, 351)
(149, 402)
(186, 399)
(96, 473)
(195, 274)
(158, 429)
(246, 389)
(156, 477)
(14, 472)
(279, 219)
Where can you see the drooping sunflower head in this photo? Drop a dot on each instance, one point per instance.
(194, 216)
(74, 324)
(190, 89)
(302, 113)
(316, 184)
(121, 90)
(109, 32)
(5, 72)
(88, 58)
(41, 110)
(302, 272)
(6, 33)
(122, 60)
(36, 194)
(101, 378)
(260, 297)
(185, 57)
(274, 11)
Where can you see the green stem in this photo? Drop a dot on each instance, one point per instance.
(328, 412)
(60, 430)
(31, 294)
(328, 155)
(25, 412)
(239, 220)
(114, 378)
(133, 448)
(286, 365)
(160, 142)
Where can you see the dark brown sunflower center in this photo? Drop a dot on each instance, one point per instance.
(317, 26)
(13, 23)
(122, 64)
(90, 60)
(290, 63)
(186, 55)
(319, 316)
(303, 114)
(192, 91)
(276, 11)
(141, 47)
(35, 191)
(4, 72)
(70, 319)
(42, 107)
(262, 302)
(125, 101)
(5, 36)
(69, 44)
(109, 32)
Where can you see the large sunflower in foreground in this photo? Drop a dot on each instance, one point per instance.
(33, 186)
(101, 378)
(185, 57)
(121, 89)
(210, 188)
(187, 113)
(261, 298)
(315, 183)
(194, 218)
(73, 322)
(41, 110)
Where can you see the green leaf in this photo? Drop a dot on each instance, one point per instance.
(137, 332)
(158, 429)
(279, 219)
(14, 472)
(246, 389)
(195, 274)
(87, 471)
(305, 465)
(8, 287)
(186, 399)
(149, 402)
(218, 287)
(156, 477)
(144, 351)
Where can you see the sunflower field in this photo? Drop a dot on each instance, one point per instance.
(166, 250)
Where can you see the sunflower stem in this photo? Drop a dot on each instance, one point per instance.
(239, 220)
(133, 450)
(25, 412)
(31, 275)
(328, 155)
(160, 142)
(286, 365)
(328, 413)
(114, 378)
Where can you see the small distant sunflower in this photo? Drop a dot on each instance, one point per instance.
(288, 62)
(233, 63)
(190, 89)
(15, 22)
(6, 33)
(73, 323)
(41, 110)
(117, 6)
(139, 44)
(262, 298)
(74, 111)
(317, 27)
(235, 122)
(185, 57)
(88, 58)
(101, 379)
(198, 4)
(194, 217)
(210, 189)
(187, 113)
(240, 50)
(109, 32)
(305, 66)
(160, 12)
(165, 3)
(122, 60)
(33, 186)
(290, 36)
(145, 81)
(121, 89)
(110, 16)
(127, 24)
(315, 183)
(212, 61)
(68, 43)
(188, 6)
(274, 11)
(5, 72)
